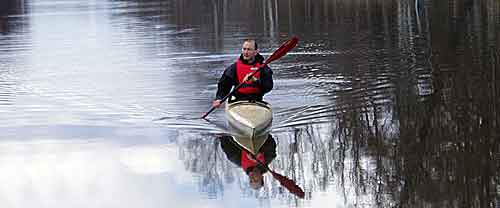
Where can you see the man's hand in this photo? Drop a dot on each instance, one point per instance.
(252, 79)
(216, 103)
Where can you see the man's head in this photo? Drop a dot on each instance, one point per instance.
(256, 179)
(249, 49)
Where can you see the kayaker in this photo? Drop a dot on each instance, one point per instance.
(253, 89)
(244, 159)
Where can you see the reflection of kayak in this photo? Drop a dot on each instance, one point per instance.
(251, 122)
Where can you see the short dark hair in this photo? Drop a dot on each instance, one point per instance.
(254, 42)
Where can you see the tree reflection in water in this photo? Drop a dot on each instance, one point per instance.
(436, 153)
(413, 89)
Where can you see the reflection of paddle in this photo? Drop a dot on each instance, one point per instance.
(284, 181)
(282, 50)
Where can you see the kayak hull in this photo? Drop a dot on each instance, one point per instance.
(251, 123)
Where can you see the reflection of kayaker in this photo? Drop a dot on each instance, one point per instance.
(243, 158)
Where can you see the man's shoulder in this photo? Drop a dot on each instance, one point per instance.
(267, 70)
(231, 67)
(230, 70)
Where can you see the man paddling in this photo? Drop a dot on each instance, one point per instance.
(254, 88)
(245, 160)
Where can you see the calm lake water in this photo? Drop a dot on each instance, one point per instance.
(382, 104)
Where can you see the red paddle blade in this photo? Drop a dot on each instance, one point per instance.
(283, 49)
(289, 184)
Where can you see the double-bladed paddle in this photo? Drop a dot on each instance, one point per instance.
(280, 52)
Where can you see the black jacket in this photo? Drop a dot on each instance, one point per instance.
(230, 79)
(233, 152)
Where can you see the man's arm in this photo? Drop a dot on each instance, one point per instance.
(266, 80)
(269, 149)
(233, 153)
(226, 82)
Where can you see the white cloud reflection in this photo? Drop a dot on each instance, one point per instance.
(150, 159)
(81, 174)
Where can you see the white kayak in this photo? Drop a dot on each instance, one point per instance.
(251, 123)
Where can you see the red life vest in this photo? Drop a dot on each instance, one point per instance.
(241, 71)
(248, 161)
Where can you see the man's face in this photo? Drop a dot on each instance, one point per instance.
(255, 178)
(248, 50)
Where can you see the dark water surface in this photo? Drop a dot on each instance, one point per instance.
(383, 103)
